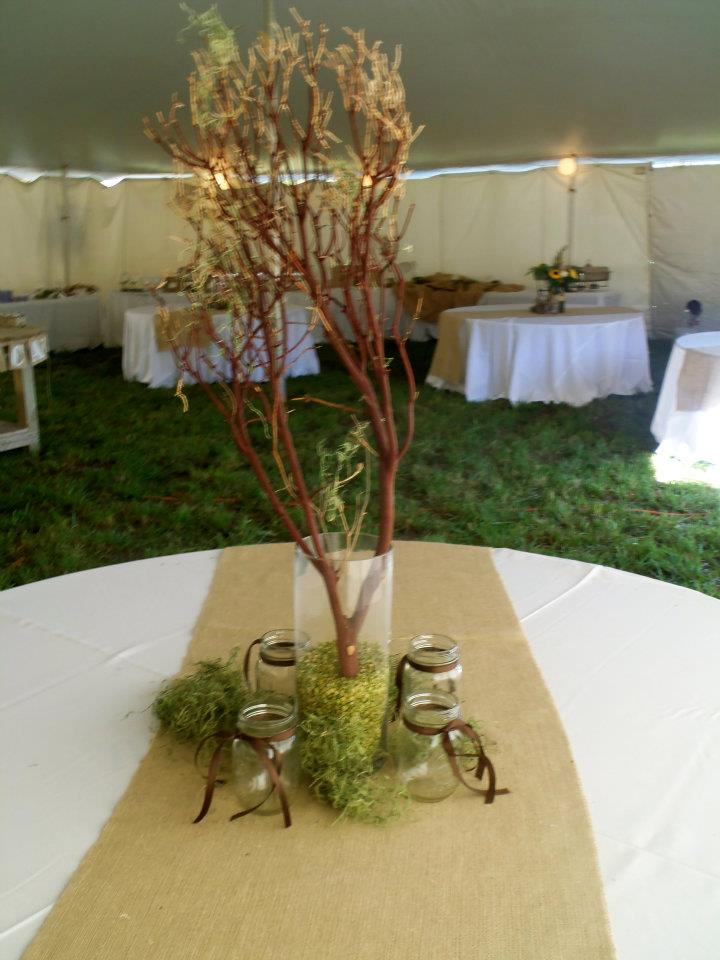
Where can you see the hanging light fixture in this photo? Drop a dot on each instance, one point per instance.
(568, 166)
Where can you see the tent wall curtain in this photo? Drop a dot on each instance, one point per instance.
(485, 225)
(685, 228)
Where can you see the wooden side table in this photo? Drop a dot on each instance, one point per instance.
(22, 348)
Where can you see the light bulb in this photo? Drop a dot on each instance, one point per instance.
(568, 166)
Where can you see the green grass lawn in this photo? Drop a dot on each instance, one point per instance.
(124, 474)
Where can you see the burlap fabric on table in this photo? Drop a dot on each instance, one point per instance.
(182, 328)
(457, 880)
(443, 291)
(426, 301)
(698, 381)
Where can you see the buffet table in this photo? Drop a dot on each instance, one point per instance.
(686, 423)
(575, 357)
(143, 361)
(71, 323)
(632, 664)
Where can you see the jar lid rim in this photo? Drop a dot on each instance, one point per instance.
(269, 715)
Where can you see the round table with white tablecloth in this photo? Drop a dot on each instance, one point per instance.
(143, 360)
(575, 357)
(118, 302)
(71, 323)
(686, 423)
(632, 664)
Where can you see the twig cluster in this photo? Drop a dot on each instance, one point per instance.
(277, 220)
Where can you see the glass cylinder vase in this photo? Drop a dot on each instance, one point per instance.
(342, 670)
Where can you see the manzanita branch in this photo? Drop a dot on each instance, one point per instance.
(275, 217)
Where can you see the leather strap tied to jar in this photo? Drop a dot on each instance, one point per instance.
(483, 765)
(270, 758)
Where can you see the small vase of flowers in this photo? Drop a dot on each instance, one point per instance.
(553, 281)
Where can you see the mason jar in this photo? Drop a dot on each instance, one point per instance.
(275, 669)
(271, 719)
(432, 663)
(421, 762)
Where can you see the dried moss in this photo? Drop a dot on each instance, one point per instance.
(196, 706)
(342, 721)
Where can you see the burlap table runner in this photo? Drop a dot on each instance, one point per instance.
(698, 381)
(448, 362)
(457, 880)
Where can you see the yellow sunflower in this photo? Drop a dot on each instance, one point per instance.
(554, 274)
(572, 273)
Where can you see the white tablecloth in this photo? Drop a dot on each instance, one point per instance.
(688, 435)
(578, 298)
(633, 666)
(118, 302)
(572, 358)
(141, 359)
(72, 323)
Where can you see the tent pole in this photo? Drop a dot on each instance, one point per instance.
(65, 225)
(269, 16)
(572, 193)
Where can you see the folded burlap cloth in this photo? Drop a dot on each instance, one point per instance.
(426, 299)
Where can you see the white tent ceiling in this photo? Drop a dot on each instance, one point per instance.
(493, 81)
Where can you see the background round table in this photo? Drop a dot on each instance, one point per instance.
(686, 423)
(633, 666)
(118, 302)
(575, 357)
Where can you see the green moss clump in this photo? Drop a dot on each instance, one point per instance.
(342, 721)
(203, 703)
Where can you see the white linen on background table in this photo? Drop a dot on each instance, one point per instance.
(632, 664)
(576, 298)
(568, 358)
(71, 323)
(141, 359)
(687, 435)
(119, 301)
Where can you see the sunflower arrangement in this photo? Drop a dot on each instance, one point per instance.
(557, 276)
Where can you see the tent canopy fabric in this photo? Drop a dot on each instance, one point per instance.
(493, 82)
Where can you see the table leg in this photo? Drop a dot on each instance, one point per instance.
(27, 404)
